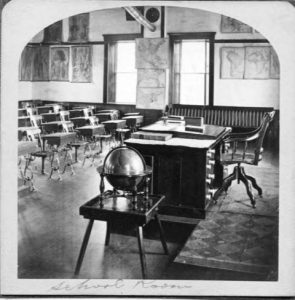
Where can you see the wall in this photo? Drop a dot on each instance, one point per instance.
(23, 19)
(226, 92)
(111, 21)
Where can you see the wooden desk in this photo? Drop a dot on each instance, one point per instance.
(59, 138)
(24, 121)
(26, 147)
(44, 109)
(22, 112)
(133, 121)
(90, 131)
(80, 121)
(102, 117)
(55, 126)
(22, 131)
(117, 210)
(50, 117)
(178, 130)
(115, 113)
(76, 113)
(112, 125)
(185, 170)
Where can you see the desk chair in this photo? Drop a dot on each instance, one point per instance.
(27, 173)
(240, 156)
(68, 126)
(93, 120)
(36, 136)
(31, 111)
(66, 150)
(64, 115)
(132, 123)
(36, 120)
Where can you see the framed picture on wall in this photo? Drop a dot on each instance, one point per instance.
(53, 33)
(274, 65)
(78, 28)
(41, 64)
(257, 62)
(26, 66)
(59, 63)
(231, 25)
(81, 64)
(232, 62)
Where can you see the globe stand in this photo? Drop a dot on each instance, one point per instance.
(123, 176)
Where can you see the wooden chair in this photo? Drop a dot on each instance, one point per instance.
(94, 121)
(64, 115)
(243, 155)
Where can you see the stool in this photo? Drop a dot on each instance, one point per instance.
(42, 155)
(122, 132)
(112, 214)
(101, 138)
(54, 163)
(76, 146)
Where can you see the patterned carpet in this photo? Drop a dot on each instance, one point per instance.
(236, 237)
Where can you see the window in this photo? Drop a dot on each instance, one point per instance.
(126, 74)
(192, 70)
(120, 71)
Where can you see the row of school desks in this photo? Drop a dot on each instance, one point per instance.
(52, 134)
(53, 120)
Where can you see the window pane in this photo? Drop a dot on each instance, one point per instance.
(126, 87)
(193, 56)
(207, 57)
(192, 89)
(126, 57)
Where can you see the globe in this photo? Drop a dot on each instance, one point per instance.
(124, 168)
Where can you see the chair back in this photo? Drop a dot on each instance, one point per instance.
(30, 111)
(93, 120)
(68, 127)
(34, 121)
(34, 135)
(261, 131)
(64, 115)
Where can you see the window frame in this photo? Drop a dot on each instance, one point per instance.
(113, 38)
(210, 36)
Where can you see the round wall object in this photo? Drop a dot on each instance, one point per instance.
(152, 14)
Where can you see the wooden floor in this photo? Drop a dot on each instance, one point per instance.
(50, 232)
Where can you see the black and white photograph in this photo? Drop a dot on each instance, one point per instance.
(147, 148)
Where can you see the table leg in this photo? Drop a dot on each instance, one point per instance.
(76, 154)
(141, 252)
(83, 247)
(43, 165)
(108, 234)
(163, 241)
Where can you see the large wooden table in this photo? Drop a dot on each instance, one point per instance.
(186, 167)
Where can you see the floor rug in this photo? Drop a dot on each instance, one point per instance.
(236, 237)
